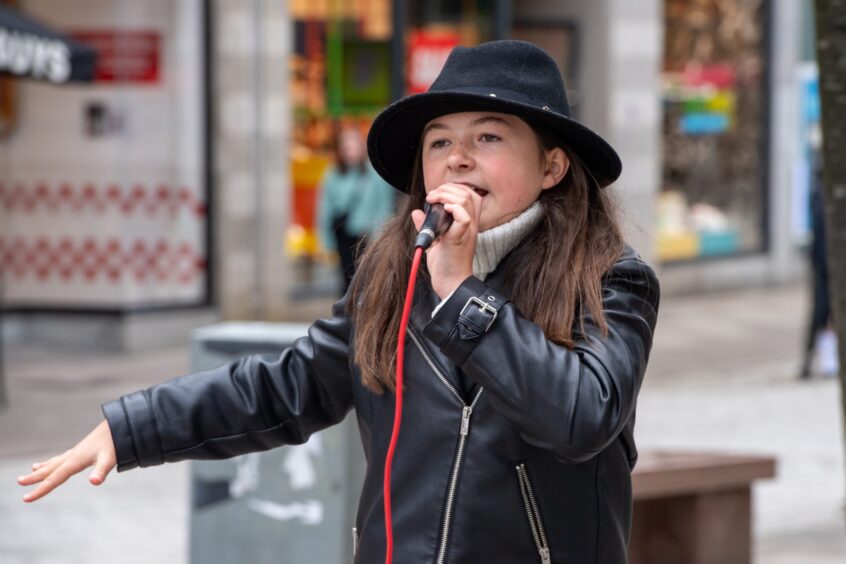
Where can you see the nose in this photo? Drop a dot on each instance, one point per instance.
(460, 158)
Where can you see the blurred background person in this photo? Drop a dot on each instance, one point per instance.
(820, 347)
(353, 200)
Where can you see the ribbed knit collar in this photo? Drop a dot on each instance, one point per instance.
(492, 245)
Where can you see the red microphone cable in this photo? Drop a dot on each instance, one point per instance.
(406, 310)
(437, 221)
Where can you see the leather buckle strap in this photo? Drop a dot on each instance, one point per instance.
(484, 309)
(476, 317)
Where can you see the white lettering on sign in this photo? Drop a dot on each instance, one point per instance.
(246, 476)
(28, 55)
(299, 464)
(309, 512)
(426, 64)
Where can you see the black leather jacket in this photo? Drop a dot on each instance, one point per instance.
(513, 449)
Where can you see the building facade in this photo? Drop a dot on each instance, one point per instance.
(179, 186)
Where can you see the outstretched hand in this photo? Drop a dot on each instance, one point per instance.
(97, 450)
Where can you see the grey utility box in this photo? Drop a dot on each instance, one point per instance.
(290, 505)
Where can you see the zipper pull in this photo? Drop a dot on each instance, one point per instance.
(465, 420)
(545, 559)
(355, 540)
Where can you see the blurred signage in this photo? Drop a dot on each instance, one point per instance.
(33, 50)
(707, 98)
(124, 55)
(427, 53)
(27, 54)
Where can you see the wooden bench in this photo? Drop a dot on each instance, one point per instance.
(694, 507)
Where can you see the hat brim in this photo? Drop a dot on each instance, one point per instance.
(392, 142)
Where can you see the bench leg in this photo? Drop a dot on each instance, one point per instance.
(708, 528)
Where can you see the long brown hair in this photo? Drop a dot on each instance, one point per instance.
(555, 272)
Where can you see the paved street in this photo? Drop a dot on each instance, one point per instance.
(722, 377)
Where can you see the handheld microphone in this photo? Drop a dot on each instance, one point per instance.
(436, 223)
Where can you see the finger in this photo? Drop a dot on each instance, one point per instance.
(101, 471)
(39, 474)
(459, 190)
(449, 193)
(461, 223)
(459, 214)
(418, 216)
(455, 194)
(38, 465)
(54, 480)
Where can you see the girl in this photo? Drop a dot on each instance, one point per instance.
(528, 341)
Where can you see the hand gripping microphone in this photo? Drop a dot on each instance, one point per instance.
(436, 223)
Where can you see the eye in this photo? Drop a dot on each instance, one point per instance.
(437, 143)
(489, 138)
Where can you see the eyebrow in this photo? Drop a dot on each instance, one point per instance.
(478, 121)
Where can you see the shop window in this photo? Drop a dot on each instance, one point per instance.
(340, 74)
(713, 197)
(341, 71)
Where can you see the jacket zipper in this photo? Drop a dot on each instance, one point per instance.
(464, 430)
(533, 514)
(355, 541)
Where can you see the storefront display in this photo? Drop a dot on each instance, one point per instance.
(713, 197)
(340, 72)
(341, 69)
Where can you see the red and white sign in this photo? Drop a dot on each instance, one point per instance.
(427, 54)
(719, 75)
(124, 55)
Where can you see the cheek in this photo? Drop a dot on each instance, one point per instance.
(523, 186)
(516, 176)
(431, 177)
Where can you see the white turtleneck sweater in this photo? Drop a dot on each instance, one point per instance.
(493, 244)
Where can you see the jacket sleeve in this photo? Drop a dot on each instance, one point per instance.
(247, 405)
(573, 402)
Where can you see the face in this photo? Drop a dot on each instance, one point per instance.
(351, 146)
(498, 155)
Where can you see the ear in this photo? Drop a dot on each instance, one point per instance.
(556, 165)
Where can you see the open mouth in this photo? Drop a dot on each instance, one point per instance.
(479, 191)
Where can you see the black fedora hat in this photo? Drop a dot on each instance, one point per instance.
(507, 76)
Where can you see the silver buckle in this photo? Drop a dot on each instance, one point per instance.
(483, 306)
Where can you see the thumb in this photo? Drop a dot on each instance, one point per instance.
(101, 470)
(418, 216)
